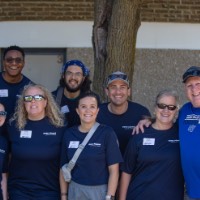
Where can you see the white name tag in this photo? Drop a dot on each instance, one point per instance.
(148, 141)
(73, 144)
(4, 93)
(25, 134)
(64, 109)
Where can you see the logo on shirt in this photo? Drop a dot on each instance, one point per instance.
(173, 141)
(128, 127)
(192, 119)
(49, 133)
(191, 128)
(95, 144)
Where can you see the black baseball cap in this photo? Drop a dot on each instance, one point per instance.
(191, 72)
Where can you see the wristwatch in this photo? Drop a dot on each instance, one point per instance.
(109, 197)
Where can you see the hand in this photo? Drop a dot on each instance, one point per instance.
(140, 126)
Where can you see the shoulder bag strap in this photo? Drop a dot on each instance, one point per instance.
(59, 95)
(72, 162)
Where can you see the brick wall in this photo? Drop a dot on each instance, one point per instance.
(152, 10)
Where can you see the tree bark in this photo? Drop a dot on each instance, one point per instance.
(116, 23)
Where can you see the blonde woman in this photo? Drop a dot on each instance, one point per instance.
(35, 133)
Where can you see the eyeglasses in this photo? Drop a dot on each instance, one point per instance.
(37, 97)
(76, 74)
(16, 60)
(163, 106)
(3, 113)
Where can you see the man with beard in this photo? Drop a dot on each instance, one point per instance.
(74, 81)
(120, 113)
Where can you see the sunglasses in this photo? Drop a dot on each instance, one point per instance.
(16, 60)
(163, 106)
(115, 76)
(30, 98)
(3, 113)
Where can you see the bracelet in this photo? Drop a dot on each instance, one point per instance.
(109, 197)
(63, 194)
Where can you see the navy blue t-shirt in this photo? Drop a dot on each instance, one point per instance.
(122, 124)
(101, 151)
(3, 159)
(153, 160)
(68, 108)
(35, 159)
(9, 93)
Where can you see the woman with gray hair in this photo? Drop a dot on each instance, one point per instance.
(152, 166)
(35, 134)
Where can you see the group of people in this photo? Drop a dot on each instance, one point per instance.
(42, 132)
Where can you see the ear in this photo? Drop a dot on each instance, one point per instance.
(129, 91)
(106, 91)
(45, 103)
(83, 79)
(77, 111)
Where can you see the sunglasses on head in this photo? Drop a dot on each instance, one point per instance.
(163, 106)
(115, 76)
(29, 98)
(3, 113)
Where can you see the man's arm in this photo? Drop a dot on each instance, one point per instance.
(140, 126)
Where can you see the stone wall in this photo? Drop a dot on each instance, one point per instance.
(155, 70)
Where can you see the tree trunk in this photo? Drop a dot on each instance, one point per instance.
(116, 23)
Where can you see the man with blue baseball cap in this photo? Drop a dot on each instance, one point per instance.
(74, 81)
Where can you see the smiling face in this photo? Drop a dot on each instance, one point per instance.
(118, 92)
(13, 64)
(36, 107)
(164, 114)
(73, 78)
(87, 110)
(192, 89)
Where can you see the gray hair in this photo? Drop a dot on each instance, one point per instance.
(167, 92)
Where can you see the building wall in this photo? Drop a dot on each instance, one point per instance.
(155, 69)
(151, 10)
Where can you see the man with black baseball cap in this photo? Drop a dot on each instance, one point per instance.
(191, 72)
(189, 132)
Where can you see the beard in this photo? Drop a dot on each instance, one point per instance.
(70, 89)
